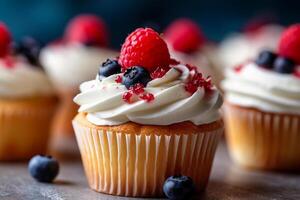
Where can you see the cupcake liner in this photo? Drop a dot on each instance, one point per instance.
(24, 127)
(263, 140)
(137, 164)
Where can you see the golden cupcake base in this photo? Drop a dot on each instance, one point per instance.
(24, 127)
(263, 140)
(135, 160)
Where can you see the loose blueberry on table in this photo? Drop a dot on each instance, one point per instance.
(43, 168)
(179, 188)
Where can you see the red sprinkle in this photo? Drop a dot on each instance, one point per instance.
(119, 79)
(127, 96)
(9, 62)
(174, 61)
(148, 97)
(239, 68)
(297, 72)
(159, 72)
(196, 81)
(137, 89)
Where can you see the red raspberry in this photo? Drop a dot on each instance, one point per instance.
(289, 43)
(5, 39)
(144, 47)
(87, 29)
(184, 35)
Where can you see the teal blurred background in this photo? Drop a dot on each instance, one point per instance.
(46, 19)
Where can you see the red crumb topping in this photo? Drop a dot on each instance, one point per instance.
(297, 72)
(148, 97)
(239, 68)
(159, 72)
(127, 96)
(137, 89)
(9, 62)
(174, 62)
(196, 81)
(118, 79)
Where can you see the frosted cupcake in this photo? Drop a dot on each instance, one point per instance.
(27, 103)
(239, 47)
(188, 44)
(262, 109)
(145, 118)
(71, 61)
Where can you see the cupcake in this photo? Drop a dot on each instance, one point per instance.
(262, 107)
(144, 118)
(188, 44)
(27, 101)
(69, 62)
(239, 47)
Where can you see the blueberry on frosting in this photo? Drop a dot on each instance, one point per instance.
(136, 75)
(29, 48)
(284, 65)
(266, 59)
(109, 67)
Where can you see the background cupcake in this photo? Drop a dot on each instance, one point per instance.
(240, 47)
(188, 44)
(70, 61)
(262, 109)
(27, 100)
(144, 119)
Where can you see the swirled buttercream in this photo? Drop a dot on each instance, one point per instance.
(256, 87)
(23, 80)
(103, 103)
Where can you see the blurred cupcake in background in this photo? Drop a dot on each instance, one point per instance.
(188, 44)
(259, 34)
(262, 107)
(70, 61)
(27, 99)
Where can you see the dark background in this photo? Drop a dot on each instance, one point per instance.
(46, 19)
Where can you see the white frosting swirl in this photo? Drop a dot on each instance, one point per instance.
(69, 65)
(103, 102)
(23, 80)
(263, 89)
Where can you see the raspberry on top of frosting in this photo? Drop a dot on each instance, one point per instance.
(144, 56)
(289, 43)
(144, 47)
(87, 29)
(5, 39)
(184, 35)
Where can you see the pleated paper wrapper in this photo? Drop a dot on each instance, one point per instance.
(127, 164)
(25, 127)
(263, 140)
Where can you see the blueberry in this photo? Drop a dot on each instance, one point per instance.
(266, 59)
(109, 67)
(284, 65)
(179, 187)
(43, 168)
(29, 48)
(136, 75)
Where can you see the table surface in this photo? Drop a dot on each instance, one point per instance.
(227, 182)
